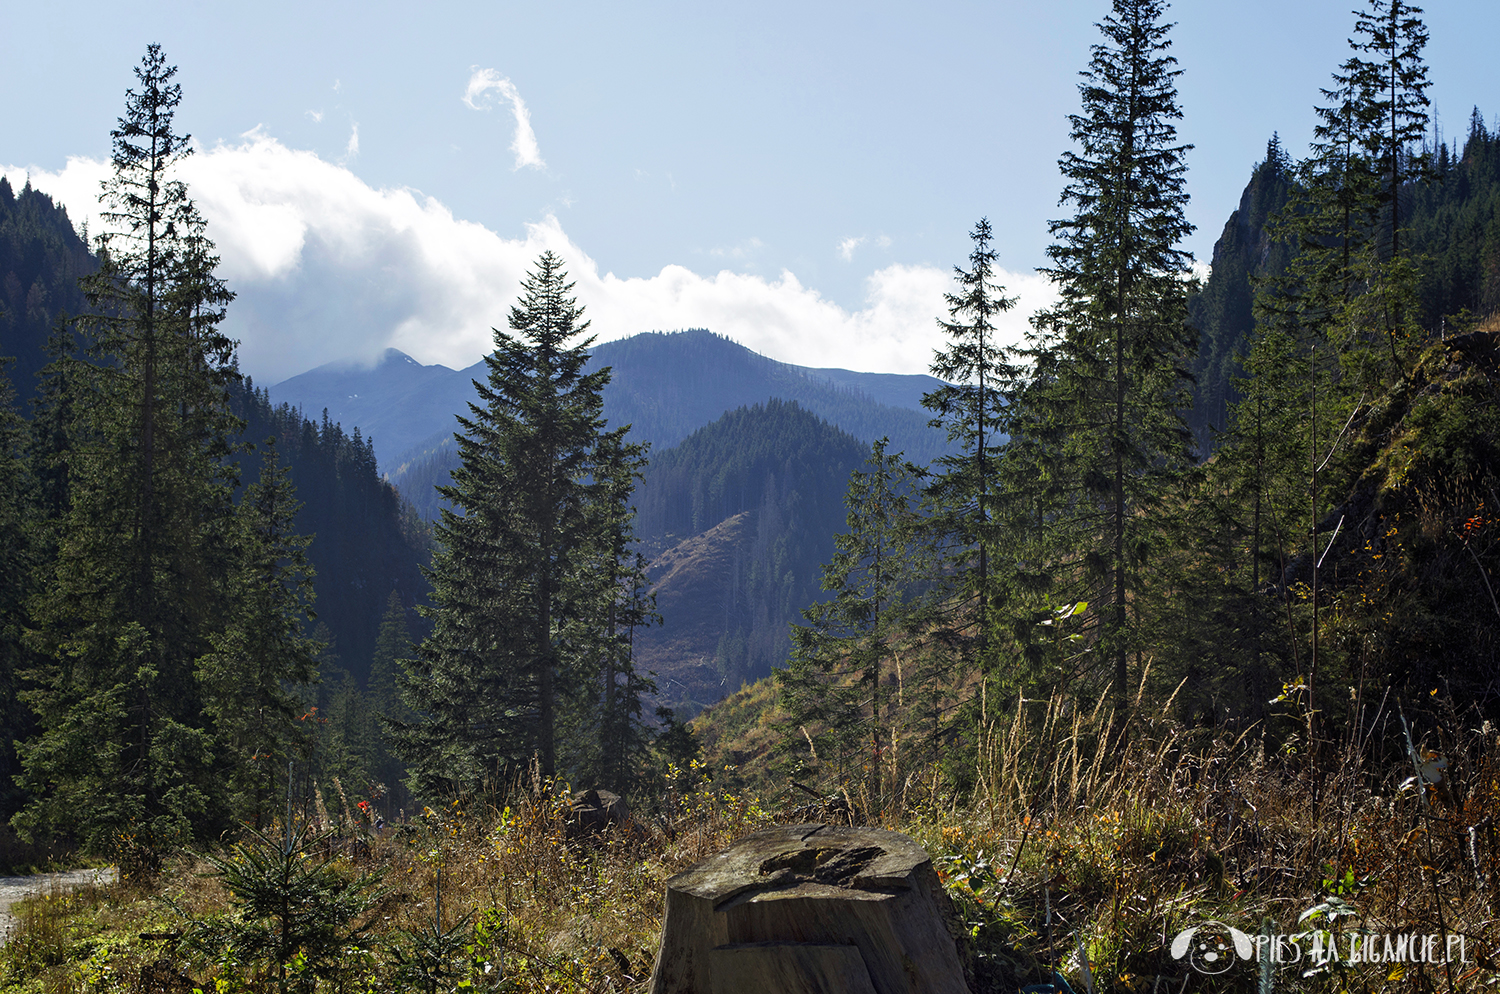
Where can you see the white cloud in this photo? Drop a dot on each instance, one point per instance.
(75, 186)
(523, 143)
(316, 115)
(352, 149)
(884, 241)
(327, 267)
(847, 247)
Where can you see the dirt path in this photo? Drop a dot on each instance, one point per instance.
(13, 889)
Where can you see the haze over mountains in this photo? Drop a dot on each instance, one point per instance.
(750, 459)
(733, 563)
(666, 385)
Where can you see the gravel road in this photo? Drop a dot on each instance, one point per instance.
(13, 889)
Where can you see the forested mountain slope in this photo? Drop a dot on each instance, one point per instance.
(367, 543)
(398, 403)
(668, 385)
(665, 386)
(1453, 230)
(41, 259)
(1222, 310)
(739, 518)
(1416, 515)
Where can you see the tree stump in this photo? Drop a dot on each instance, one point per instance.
(595, 811)
(810, 909)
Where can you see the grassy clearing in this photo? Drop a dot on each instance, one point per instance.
(1082, 848)
(1075, 847)
(522, 906)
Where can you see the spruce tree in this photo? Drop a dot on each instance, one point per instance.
(835, 687)
(336, 730)
(1393, 79)
(151, 602)
(393, 646)
(516, 576)
(18, 561)
(626, 605)
(1353, 288)
(1109, 371)
(972, 408)
(1338, 329)
(261, 653)
(64, 380)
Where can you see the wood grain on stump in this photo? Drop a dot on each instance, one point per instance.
(809, 909)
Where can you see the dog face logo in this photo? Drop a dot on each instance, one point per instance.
(1212, 947)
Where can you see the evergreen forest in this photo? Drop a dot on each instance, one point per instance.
(1180, 614)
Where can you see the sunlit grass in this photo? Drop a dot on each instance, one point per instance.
(1073, 849)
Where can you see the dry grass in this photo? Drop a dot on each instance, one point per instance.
(82, 938)
(1075, 846)
(521, 899)
(1079, 844)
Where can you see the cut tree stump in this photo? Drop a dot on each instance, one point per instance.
(810, 909)
(595, 811)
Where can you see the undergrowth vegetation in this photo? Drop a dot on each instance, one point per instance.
(1085, 847)
(1090, 853)
(500, 893)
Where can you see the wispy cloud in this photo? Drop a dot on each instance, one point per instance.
(327, 267)
(744, 250)
(316, 115)
(523, 143)
(848, 245)
(352, 148)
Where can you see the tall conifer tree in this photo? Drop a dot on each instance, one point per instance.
(1339, 327)
(1110, 374)
(393, 646)
(516, 579)
(972, 408)
(18, 559)
(626, 605)
(154, 601)
(1352, 286)
(261, 651)
(836, 681)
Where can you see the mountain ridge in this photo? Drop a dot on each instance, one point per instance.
(665, 384)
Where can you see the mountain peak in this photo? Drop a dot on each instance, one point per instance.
(665, 384)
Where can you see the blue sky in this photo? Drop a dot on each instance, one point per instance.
(800, 176)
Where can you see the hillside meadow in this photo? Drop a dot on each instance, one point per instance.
(1084, 841)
